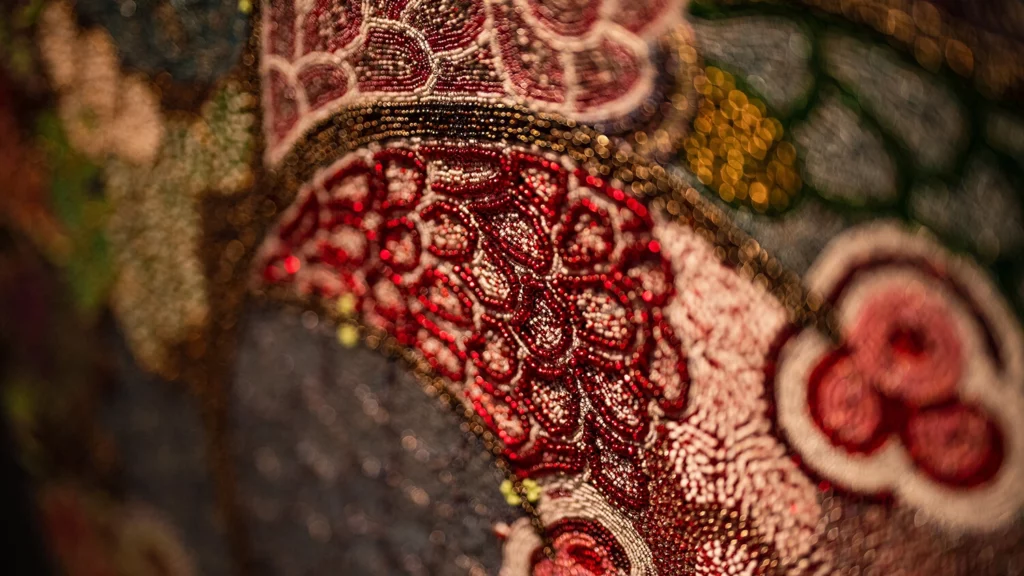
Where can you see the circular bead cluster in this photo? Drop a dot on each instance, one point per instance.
(899, 374)
(737, 149)
(921, 398)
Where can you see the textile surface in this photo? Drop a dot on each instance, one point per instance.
(515, 287)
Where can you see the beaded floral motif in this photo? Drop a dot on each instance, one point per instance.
(588, 537)
(535, 288)
(589, 61)
(923, 400)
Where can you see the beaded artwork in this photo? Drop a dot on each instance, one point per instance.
(591, 61)
(919, 401)
(515, 287)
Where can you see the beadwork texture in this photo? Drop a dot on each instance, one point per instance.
(517, 287)
(591, 61)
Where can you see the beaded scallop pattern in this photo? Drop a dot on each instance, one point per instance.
(535, 288)
(590, 61)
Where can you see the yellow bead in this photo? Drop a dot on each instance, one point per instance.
(532, 490)
(509, 492)
(348, 335)
(346, 304)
